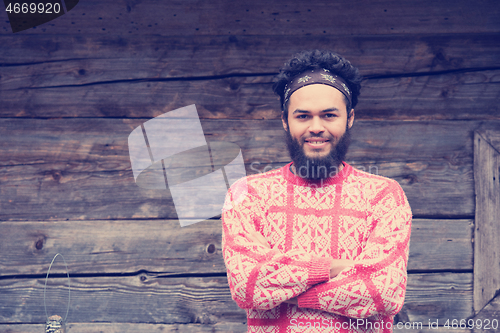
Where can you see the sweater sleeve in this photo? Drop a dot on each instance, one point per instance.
(376, 283)
(262, 278)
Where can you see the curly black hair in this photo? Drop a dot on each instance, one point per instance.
(313, 59)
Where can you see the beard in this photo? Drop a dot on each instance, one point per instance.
(318, 168)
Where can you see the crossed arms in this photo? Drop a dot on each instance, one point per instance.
(336, 266)
(261, 276)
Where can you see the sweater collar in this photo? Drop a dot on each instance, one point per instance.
(337, 179)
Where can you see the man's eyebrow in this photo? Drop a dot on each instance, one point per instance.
(326, 110)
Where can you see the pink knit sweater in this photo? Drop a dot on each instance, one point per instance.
(353, 215)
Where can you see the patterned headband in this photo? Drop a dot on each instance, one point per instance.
(316, 76)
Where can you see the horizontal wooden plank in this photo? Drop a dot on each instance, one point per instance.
(98, 247)
(273, 18)
(94, 247)
(104, 142)
(455, 91)
(80, 168)
(189, 328)
(461, 96)
(90, 327)
(36, 61)
(428, 297)
(137, 299)
(151, 299)
(441, 244)
(59, 191)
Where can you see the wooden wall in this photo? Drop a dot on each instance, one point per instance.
(73, 89)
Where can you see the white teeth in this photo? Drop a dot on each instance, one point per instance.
(316, 142)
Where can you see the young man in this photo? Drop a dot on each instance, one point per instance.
(317, 245)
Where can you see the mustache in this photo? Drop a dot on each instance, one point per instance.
(310, 164)
(328, 137)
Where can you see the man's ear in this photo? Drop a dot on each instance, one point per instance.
(351, 118)
(283, 120)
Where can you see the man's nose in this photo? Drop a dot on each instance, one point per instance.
(316, 125)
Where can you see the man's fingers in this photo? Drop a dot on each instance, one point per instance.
(338, 265)
(250, 238)
(258, 238)
(261, 239)
(253, 237)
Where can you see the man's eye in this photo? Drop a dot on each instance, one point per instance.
(330, 115)
(302, 116)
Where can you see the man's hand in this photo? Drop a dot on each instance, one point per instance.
(256, 237)
(338, 265)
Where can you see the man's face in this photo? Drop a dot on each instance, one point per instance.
(317, 130)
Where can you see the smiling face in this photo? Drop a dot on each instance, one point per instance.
(317, 130)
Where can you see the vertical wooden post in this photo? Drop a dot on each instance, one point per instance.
(487, 223)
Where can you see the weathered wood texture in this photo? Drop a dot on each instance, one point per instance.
(54, 60)
(98, 247)
(152, 299)
(468, 95)
(486, 234)
(280, 17)
(136, 299)
(80, 169)
(440, 245)
(492, 136)
(430, 295)
(490, 314)
(118, 77)
(134, 328)
(183, 328)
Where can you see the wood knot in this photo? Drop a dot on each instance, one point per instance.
(234, 86)
(39, 243)
(211, 248)
(56, 175)
(410, 179)
(440, 56)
